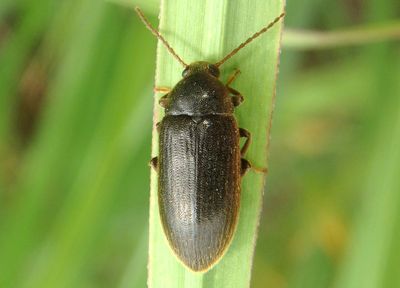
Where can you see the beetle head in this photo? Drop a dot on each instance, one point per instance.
(201, 67)
(204, 66)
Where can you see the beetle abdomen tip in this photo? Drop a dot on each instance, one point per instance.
(200, 251)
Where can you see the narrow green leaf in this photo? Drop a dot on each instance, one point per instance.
(13, 54)
(375, 233)
(208, 30)
(82, 164)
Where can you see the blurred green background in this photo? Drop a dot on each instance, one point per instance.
(76, 82)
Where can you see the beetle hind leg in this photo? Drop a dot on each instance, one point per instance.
(244, 166)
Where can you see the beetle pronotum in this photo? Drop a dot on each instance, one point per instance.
(200, 162)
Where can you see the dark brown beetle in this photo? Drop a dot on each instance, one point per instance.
(200, 163)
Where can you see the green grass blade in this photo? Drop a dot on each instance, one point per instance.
(85, 168)
(366, 34)
(207, 30)
(375, 234)
(13, 54)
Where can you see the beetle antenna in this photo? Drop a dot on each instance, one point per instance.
(251, 38)
(156, 33)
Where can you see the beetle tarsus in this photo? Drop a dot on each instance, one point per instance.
(245, 134)
(260, 170)
(246, 165)
(154, 163)
(158, 127)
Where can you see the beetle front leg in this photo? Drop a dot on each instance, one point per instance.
(245, 134)
(162, 89)
(164, 101)
(154, 163)
(232, 77)
(236, 97)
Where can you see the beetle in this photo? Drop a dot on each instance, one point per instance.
(200, 162)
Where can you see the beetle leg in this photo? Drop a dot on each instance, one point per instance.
(237, 98)
(154, 163)
(245, 134)
(245, 165)
(232, 77)
(162, 89)
(158, 127)
(164, 101)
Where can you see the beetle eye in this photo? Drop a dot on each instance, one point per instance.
(213, 70)
(185, 71)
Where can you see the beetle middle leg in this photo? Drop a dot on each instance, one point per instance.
(154, 163)
(245, 134)
(245, 165)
